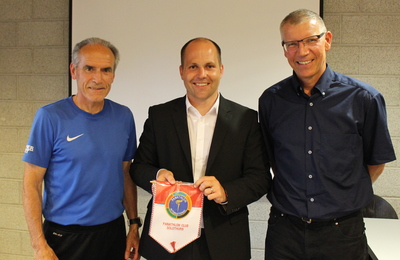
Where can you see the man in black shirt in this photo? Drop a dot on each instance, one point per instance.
(328, 140)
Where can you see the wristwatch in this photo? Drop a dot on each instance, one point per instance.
(137, 220)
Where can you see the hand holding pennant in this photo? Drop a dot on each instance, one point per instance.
(176, 215)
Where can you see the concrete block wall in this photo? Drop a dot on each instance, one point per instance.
(366, 45)
(34, 37)
(34, 72)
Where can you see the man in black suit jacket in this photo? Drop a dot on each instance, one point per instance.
(213, 142)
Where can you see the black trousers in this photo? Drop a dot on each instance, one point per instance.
(74, 242)
(289, 237)
(197, 250)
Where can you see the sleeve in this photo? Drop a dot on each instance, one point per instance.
(378, 147)
(265, 128)
(144, 167)
(132, 143)
(256, 178)
(40, 144)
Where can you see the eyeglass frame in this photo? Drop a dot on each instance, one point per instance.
(317, 35)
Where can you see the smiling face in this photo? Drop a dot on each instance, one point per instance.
(94, 75)
(308, 62)
(201, 72)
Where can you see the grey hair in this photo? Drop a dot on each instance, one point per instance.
(303, 15)
(93, 41)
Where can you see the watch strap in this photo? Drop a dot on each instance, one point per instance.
(135, 221)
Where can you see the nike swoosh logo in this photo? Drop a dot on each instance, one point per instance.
(69, 139)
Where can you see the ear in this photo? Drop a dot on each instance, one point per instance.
(328, 40)
(113, 77)
(285, 53)
(181, 71)
(222, 70)
(282, 40)
(72, 70)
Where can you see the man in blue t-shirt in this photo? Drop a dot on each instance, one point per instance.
(81, 147)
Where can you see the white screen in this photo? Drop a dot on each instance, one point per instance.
(150, 33)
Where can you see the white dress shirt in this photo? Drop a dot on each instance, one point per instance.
(201, 131)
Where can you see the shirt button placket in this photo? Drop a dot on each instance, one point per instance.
(309, 123)
(310, 127)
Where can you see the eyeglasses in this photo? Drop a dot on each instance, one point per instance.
(293, 46)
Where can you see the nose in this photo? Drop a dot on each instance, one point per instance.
(97, 77)
(303, 49)
(201, 73)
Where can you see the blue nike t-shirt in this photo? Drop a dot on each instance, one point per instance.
(83, 155)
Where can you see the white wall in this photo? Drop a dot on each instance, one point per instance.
(150, 34)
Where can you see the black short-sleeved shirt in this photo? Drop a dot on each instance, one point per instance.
(321, 144)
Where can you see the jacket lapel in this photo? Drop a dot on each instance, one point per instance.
(180, 122)
(221, 128)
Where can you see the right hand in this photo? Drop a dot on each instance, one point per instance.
(165, 175)
(45, 253)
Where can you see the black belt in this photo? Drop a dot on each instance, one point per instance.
(315, 222)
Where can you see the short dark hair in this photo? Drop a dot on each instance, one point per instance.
(200, 39)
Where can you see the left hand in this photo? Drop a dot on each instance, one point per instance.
(211, 188)
(132, 243)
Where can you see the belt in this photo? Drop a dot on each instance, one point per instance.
(316, 222)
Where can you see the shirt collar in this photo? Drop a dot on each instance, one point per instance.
(323, 84)
(213, 109)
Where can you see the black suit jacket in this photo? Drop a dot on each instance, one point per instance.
(237, 159)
